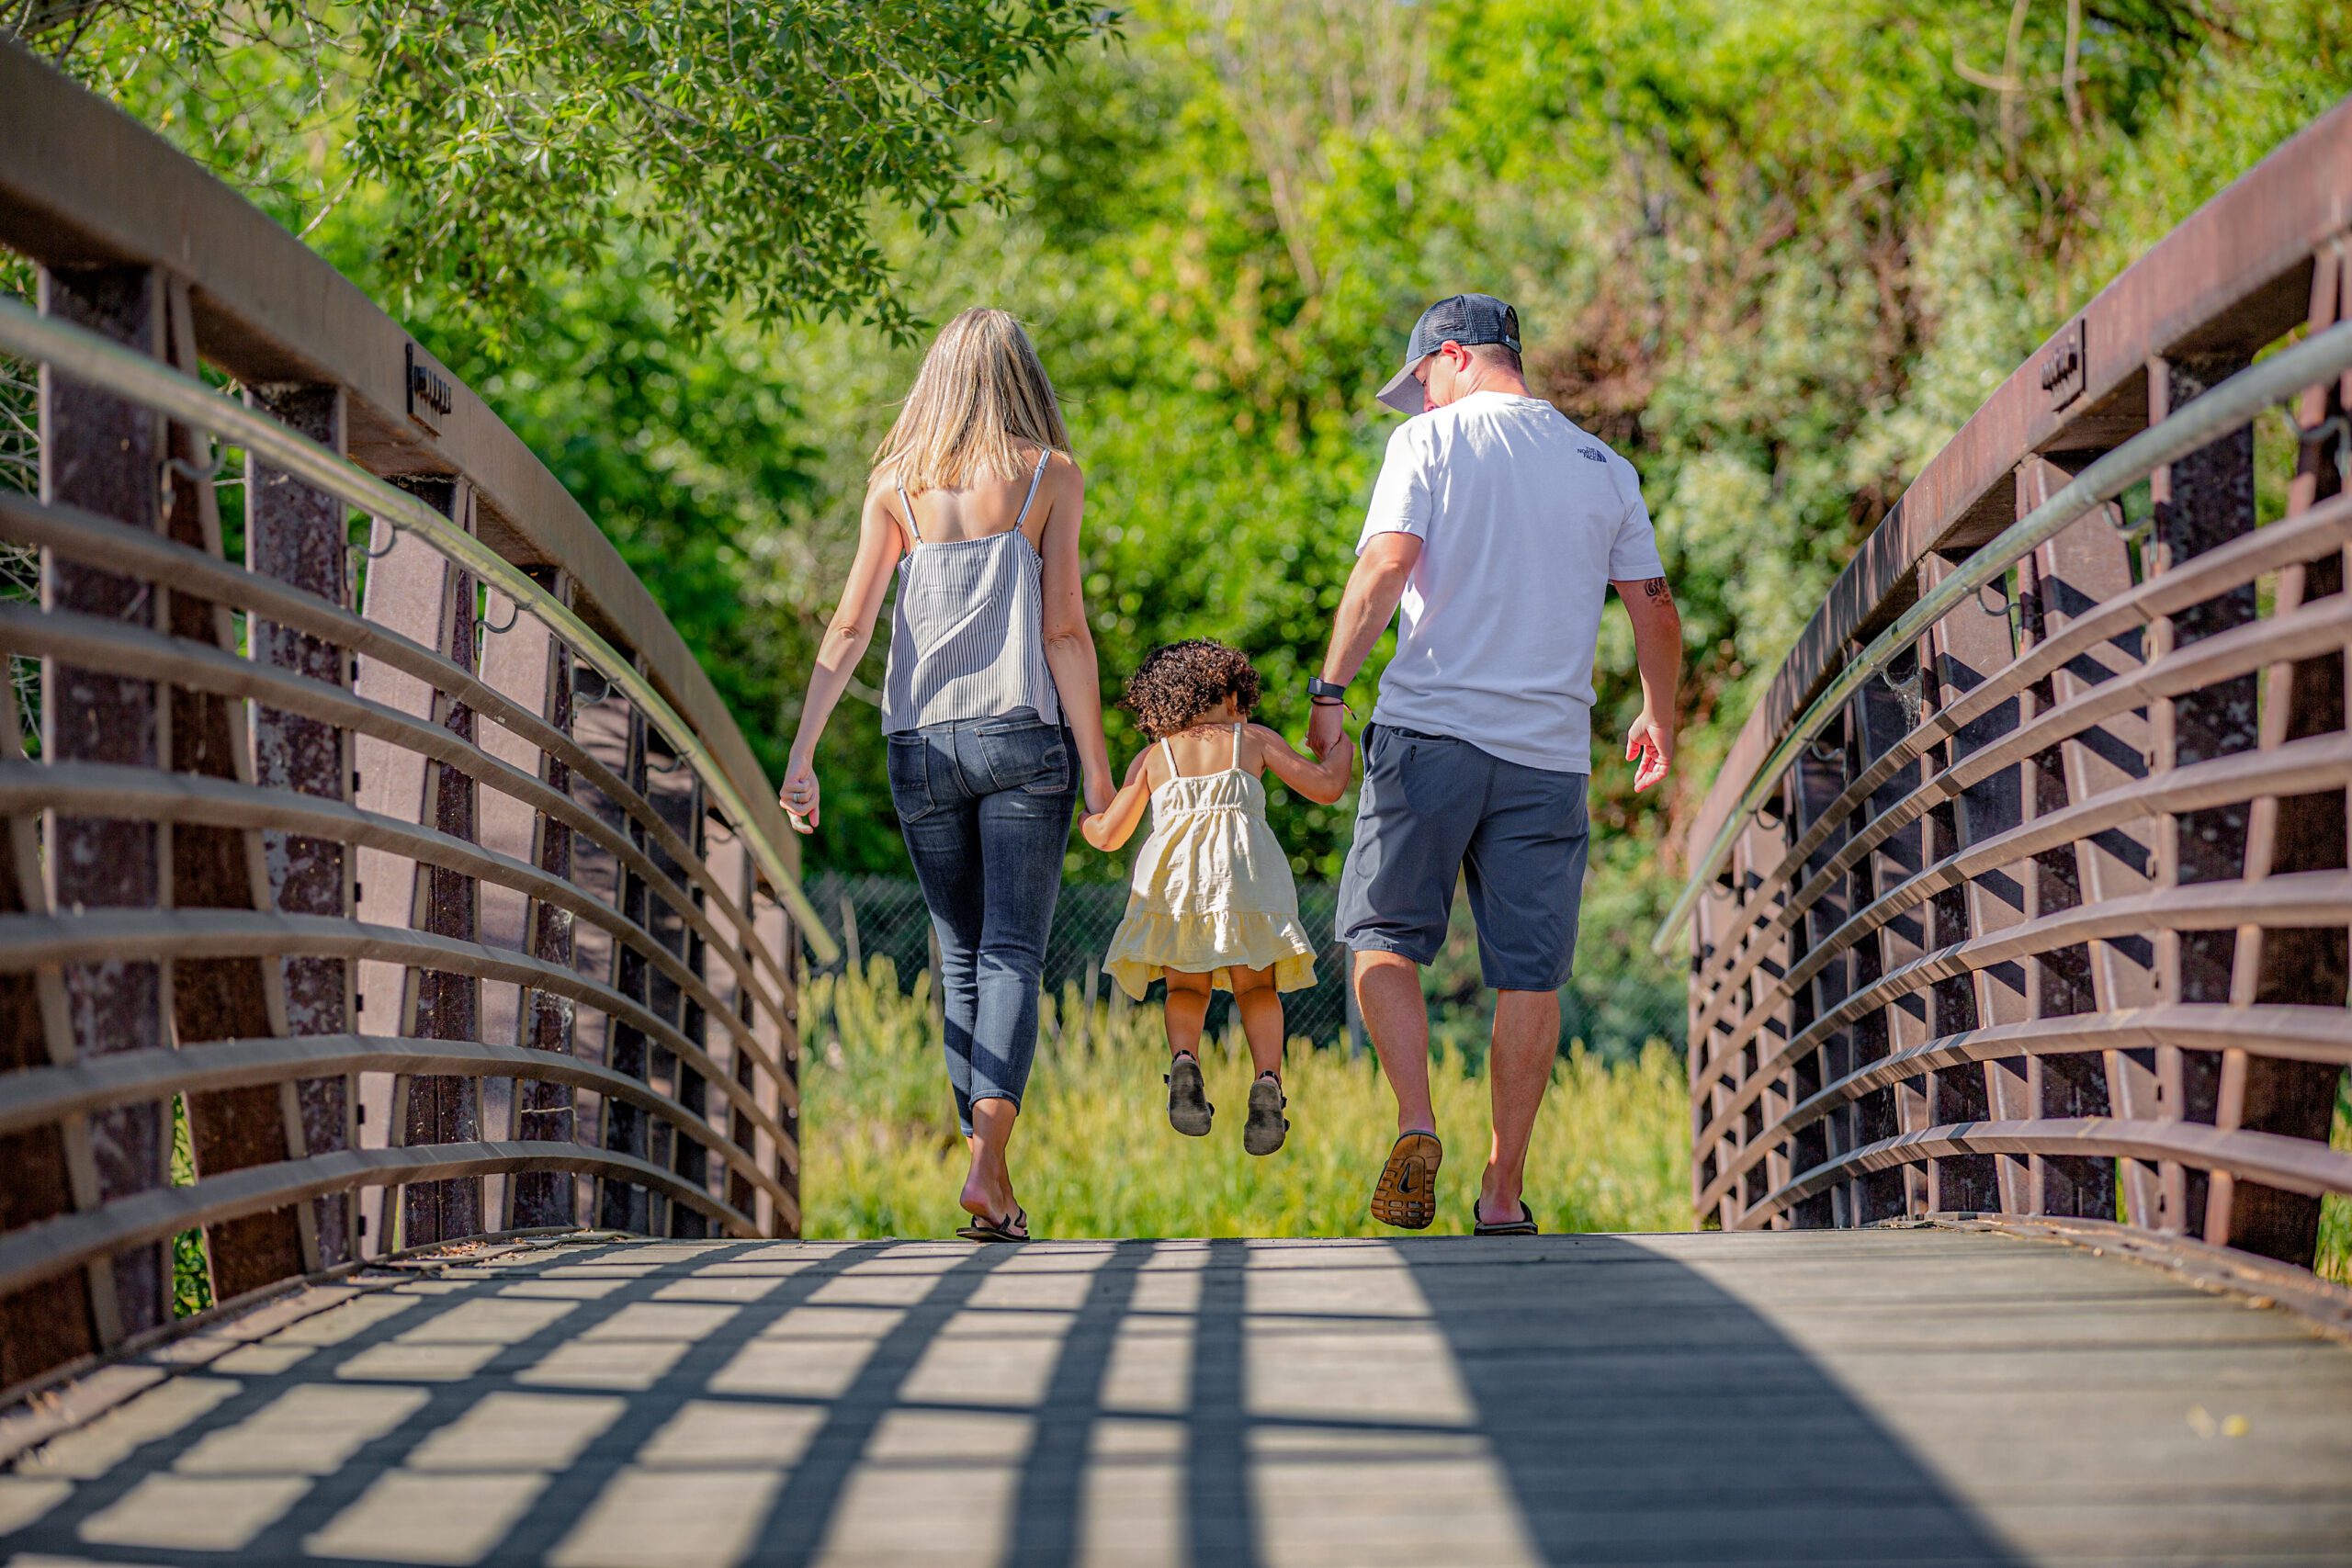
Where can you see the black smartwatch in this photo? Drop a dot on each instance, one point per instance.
(1318, 689)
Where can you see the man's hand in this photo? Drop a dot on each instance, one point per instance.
(1650, 746)
(1326, 727)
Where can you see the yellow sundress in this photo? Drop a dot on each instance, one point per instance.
(1212, 889)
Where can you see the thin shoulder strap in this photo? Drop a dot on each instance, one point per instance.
(1035, 476)
(1235, 766)
(907, 511)
(1169, 753)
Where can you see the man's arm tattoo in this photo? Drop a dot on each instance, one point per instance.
(1654, 589)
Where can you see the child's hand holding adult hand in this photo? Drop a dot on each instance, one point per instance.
(799, 796)
(1098, 790)
(1326, 727)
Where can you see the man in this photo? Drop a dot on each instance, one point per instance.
(1495, 524)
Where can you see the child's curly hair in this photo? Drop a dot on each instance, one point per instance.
(1179, 682)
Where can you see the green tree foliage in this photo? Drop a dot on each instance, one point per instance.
(1775, 253)
(743, 143)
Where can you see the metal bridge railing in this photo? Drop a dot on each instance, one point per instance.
(409, 858)
(2025, 894)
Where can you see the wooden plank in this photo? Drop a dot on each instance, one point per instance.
(2090, 564)
(1886, 711)
(2201, 503)
(539, 669)
(1818, 779)
(107, 455)
(618, 741)
(1974, 645)
(675, 797)
(2287, 833)
(2243, 560)
(297, 534)
(781, 1036)
(218, 867)
(731, 864)
(41, 1095)
(39, 1250)
(1569, 1399)
(52, 1170)
(87, 538)
(30, 942)
(419, 593)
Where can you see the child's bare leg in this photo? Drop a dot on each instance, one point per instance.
(1261, 1017)
(1262, 1020)
(1187, 1011)
(1189, 1111)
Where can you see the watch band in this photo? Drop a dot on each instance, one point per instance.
(1318, 688)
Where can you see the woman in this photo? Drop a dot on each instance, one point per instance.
(991, 707)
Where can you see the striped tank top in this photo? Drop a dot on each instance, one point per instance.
(967, 640)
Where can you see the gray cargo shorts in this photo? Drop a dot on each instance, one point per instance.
(1434, 810)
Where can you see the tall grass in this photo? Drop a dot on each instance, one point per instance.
(2335, 1259)
(1095, 1156)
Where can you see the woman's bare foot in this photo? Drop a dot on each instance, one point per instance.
(988, 1196)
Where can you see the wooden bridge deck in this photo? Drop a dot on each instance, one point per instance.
(1923, 1396)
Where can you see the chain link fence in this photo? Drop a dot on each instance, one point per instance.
(1614, 1014)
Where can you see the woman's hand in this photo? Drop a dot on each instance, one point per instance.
(799, 796)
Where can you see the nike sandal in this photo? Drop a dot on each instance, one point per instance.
(1189, 1111)
(1268, 1126)
(1407, 1194)
(1523, 1225)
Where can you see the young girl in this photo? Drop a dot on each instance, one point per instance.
(1211, 901)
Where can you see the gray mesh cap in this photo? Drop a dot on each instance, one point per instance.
(1465, 318)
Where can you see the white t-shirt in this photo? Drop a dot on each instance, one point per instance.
(1524, 519)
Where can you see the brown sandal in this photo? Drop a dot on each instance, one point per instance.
(1407, 1194)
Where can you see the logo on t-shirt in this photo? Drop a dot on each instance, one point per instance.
(1592, 453)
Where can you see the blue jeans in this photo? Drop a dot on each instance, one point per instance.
(985, 805)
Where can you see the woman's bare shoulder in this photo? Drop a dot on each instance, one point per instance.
(1062, 471)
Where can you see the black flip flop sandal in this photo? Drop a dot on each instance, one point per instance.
(1189, 1111)
(1268, 1126)
(1523, 1225)
(1406, 1196)
(1000, 1232)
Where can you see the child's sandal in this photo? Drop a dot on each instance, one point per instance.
(1189, 1111)
(1268, 1126)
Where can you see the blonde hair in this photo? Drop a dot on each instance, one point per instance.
(981, 391)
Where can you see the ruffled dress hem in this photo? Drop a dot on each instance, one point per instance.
(1149, 943)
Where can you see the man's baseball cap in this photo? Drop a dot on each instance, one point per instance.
(1465, 318)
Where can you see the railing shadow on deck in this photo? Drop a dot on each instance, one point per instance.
(1218, 1402)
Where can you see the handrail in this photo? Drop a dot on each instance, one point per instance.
(88, 358)
(2235, 402)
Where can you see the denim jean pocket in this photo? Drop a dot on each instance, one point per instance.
(1032, 757)
(910, 766)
